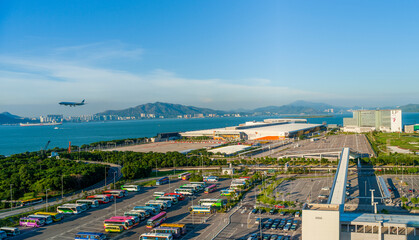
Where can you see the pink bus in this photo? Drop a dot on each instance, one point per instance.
(130, 219)
(210, 189)
(119, 222)
(156, 220)
(31, 222)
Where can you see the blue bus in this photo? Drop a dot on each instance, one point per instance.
(90, 235)
(162, 181)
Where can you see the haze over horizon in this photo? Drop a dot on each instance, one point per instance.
(216, 54)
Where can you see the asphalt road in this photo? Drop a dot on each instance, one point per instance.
(92, 220)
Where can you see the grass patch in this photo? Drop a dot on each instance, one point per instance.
(148, 183)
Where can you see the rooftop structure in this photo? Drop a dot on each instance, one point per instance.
(229, 150)
(270, 129)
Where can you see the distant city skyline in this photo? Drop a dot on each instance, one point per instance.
(214, 54)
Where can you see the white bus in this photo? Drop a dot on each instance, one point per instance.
(158, 194)
(182, 174)
(89, 202)
(47, 218)
(131, 188)
(167, 204)
(156, 236)
(185, 191)
(173, 199)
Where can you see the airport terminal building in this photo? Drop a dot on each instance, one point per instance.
(268, 130)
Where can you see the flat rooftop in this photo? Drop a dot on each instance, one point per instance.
(387, 219)
(279, 129)
(322, 207)
(230, 149)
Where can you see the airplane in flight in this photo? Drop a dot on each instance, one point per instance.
(72, 104)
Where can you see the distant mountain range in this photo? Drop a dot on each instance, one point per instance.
(169, 110)
(8, 118)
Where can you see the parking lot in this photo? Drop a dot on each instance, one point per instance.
(303, 190)
(244, 223)
(92, 220)
(335, 143)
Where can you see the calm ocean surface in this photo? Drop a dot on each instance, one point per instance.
(16, 139)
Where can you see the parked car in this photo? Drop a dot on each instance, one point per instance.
(272, 211)
(254, 211)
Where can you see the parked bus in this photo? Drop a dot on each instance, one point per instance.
(185, 191)
(131, 188)
(153, 210)
(228, 192)
(156, 236)
(181, 175)
(158, 194)
(212, 202)
(156, 220)
(131, 220)
(210, 179)
(89, 236)
(114, 228)
(201, 209)
(30, 202)
(55, 216)
(186, 176)
(173, 199)
(116, 193)
(176, 232)
(82, 206)
(118, 222)
(10, 231)
(31, 222)
(202, 184)
(47, 218)
(179, 196)
(189, 186)
(89, 202)
(110, 196)
(144, 212)
(210, 189)
(69, 209)
(138, 213)
(100, 198)
(162, 181)
(167, 202)
(161, 206)
(177, 225)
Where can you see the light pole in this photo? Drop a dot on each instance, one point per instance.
(62, 187)
(46, 204)
(114, 179)
(11, 198)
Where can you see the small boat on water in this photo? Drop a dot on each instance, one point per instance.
(40, 124)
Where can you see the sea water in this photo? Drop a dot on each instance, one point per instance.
(16, 139)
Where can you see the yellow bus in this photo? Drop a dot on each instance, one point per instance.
(55, 216)
(114, 228)
(177, 225)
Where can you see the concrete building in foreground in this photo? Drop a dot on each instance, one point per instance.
(411, 128)
(370, 120)
(330, 222)
(268, 130)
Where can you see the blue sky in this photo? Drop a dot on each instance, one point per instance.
(217, 54)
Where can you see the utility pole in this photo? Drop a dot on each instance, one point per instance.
(114, 179)
(62, 187)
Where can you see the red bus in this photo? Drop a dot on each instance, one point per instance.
(115, 193)
(179, 196)
(100, 198)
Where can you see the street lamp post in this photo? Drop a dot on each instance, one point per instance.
(11, 198)
(46, 204)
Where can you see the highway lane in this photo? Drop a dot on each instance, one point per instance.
(92, 220)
